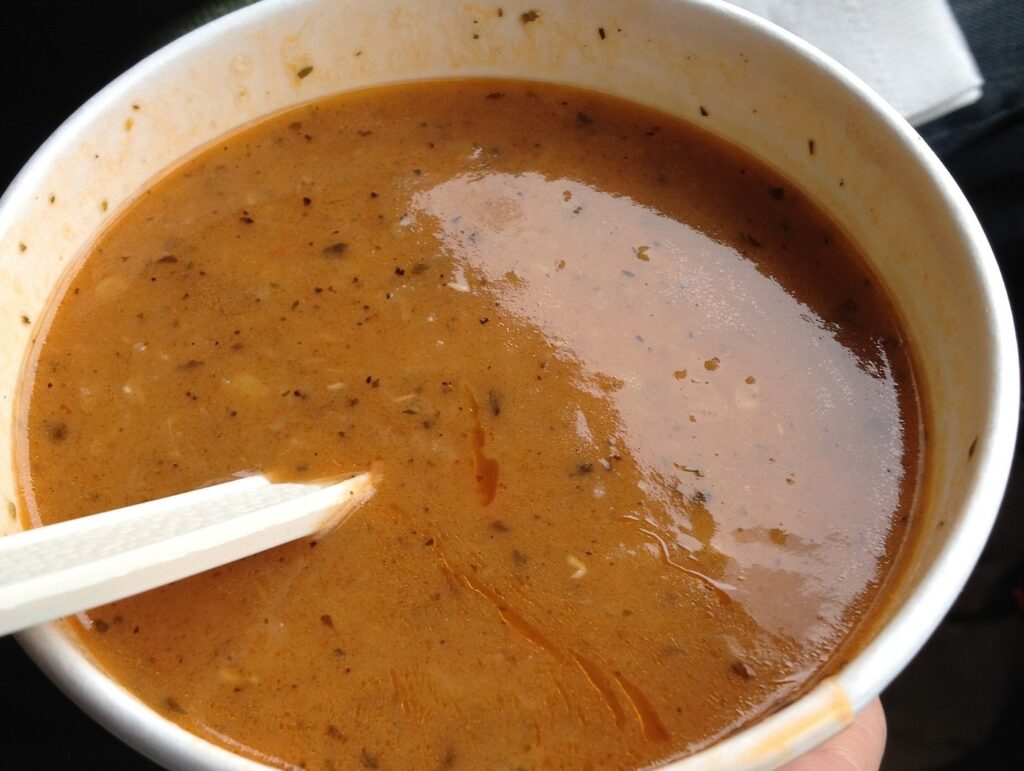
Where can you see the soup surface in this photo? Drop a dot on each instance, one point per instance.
(646, 431)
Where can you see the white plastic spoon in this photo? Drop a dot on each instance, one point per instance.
(53, 571)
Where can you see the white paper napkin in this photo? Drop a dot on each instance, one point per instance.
(912, 52)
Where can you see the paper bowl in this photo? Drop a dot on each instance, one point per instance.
(760, 88)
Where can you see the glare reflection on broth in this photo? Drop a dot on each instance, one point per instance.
(678, 320)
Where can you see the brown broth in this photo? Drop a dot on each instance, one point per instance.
(646, 426)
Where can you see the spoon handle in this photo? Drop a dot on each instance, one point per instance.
(53, 571)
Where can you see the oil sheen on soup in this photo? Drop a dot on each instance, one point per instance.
(645, 431)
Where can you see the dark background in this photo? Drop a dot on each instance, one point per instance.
(960, 705)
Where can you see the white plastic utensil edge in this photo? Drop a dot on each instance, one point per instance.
(53, 571)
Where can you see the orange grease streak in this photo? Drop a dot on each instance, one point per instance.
(652, 727)
(485, 469)
(600, 684)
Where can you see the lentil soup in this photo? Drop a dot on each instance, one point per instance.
(645, 428)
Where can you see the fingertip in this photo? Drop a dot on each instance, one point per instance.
(859, 747)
